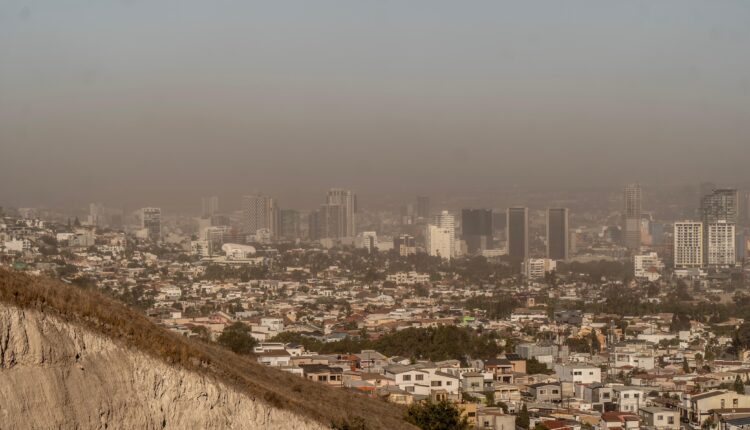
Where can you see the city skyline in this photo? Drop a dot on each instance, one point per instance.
(375, 215)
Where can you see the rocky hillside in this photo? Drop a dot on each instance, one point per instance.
(76, 359)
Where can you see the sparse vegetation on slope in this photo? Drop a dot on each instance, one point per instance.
(121, 324)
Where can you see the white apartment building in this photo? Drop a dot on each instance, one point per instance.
(536, 268)
(688, 244)
(648, 266)
(721, 244)
(447, 221)
(408, 278)
(440, 241)
(582, 374)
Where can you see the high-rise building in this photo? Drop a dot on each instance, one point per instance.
(440, 241)
(517, 232)
(151, 222)
(720, 205)
(446, 220)
(407, 214)
(335, 219)
(215, 238)
(721, 249)
(423, 207)
(289, 225)
(719, 213)
(558, 236)
(688, 245)
(476, 229)
(704, 189)
(314, 225)
(259, 213)
(96, 215)
(341, 209)
(209, 206)
(632, 216)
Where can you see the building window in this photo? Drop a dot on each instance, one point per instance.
(436, 383)
(670, 420)
(419, 377)
(407, 377)
(660, 418)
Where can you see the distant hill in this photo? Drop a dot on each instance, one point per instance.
(71, 358)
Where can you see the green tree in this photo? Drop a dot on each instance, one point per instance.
(738, 386)
(742, 337)
(680, 321)
(436, 416)
(577, 344)
(533, 367)
(237, 337)
(522, 419)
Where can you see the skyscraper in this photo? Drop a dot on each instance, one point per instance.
(209, 206)
(721, 249)
(336, 218)
(151, 222)
(439, 241)
(720, 205)
(688, 245)
(259, 213)
(745, 209)
(558, 239)
(518, 233)
(96, 215)
(446, 220)
(719, 213)
(476, 229)
(289, 227)
(342, 208)
(314, 225)
(423, 207)
(632, 216)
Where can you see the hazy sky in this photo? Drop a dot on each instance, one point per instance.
(160, 102)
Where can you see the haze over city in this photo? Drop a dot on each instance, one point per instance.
(375, 215)
(139, 102)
